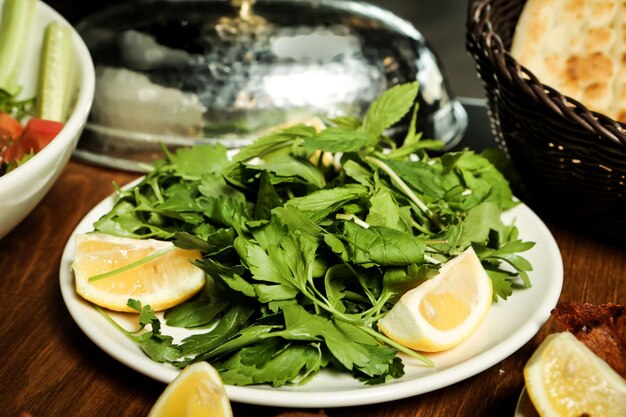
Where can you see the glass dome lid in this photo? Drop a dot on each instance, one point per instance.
(181, 72)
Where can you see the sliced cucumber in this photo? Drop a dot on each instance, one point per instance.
(55, 73)
(15, 29)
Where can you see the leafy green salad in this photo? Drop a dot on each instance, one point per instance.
(308, 239)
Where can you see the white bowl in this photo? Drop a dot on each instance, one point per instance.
(23, 188)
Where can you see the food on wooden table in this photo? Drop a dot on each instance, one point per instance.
(303, 258)
(602, 328)
(198, 391)
(28, 125)
(566, 379)
(443, 311)
(577, 372)
(578, 48)
(110, 270)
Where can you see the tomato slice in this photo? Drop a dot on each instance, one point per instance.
(33, 138)
(11, 125)
(39, 132)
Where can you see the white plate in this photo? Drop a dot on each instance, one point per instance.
(508, 326)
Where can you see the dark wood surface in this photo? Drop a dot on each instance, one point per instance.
(48, 367)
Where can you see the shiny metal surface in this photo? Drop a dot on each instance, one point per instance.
(188, 71)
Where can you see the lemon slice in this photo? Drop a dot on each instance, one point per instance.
(443, 311)
(198, 391)
(564, 378)
(164, 281)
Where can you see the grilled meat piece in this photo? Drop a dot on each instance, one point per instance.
(602, 328)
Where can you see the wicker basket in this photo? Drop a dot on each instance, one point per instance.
(571, 161)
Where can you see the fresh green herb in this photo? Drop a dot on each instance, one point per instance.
(16, 108)
(158, 347)
(309, 238)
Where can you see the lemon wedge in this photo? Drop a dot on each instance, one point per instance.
(564, 378)
(166, 280)
(443, 311)
(198, 391)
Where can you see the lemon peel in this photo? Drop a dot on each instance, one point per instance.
(445, 310)
(152, 271)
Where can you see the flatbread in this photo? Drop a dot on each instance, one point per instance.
(578, 47)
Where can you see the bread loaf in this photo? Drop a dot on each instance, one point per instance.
(577, 47)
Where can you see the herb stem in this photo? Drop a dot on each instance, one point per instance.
(398, 346)
(340, 316)
(431, 259)
(354, 218)
(403, 187)
(419, 227)
(373, 314)
(115, 324)
(132, 265)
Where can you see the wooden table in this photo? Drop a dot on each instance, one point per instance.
(48, 367)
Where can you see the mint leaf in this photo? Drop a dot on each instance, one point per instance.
(273, 143)
(320, 204)
(384, 211)
(389, 108)
(293, 168)
(422, 177)
(338, 140)
(381, 245)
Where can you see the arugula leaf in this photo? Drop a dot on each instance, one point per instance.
(212, 244)
(478, 175)
(228, 325)
(381, 246)
(195, 313)
(247, 336)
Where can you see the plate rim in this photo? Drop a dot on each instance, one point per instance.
(267, 396)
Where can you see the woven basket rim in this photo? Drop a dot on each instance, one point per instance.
(480, 31)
